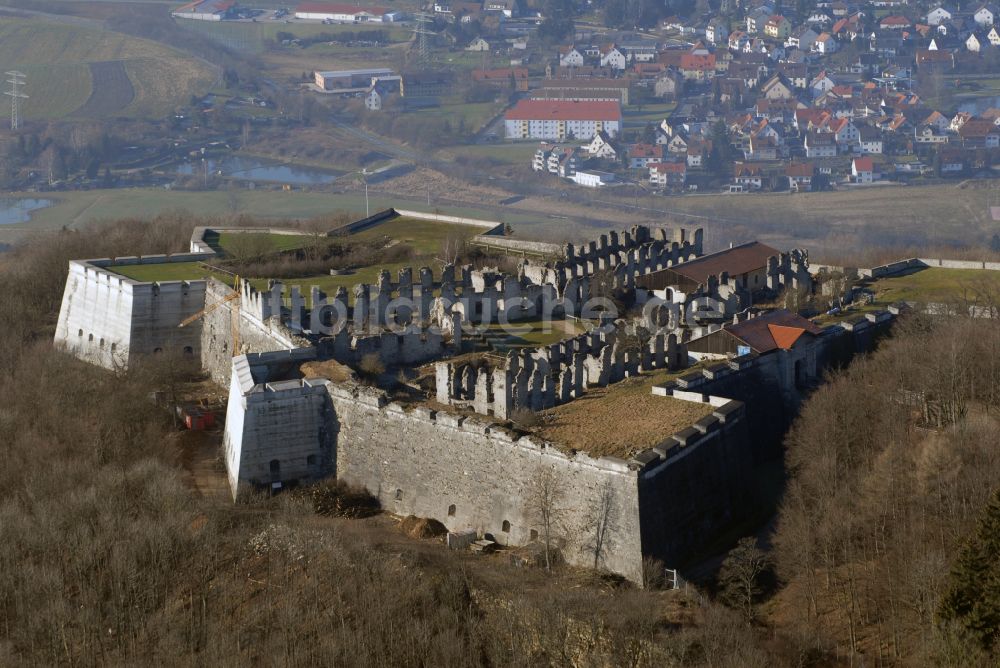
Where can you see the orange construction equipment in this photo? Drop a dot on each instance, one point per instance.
(234, 314)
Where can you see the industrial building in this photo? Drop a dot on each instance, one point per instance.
(207, 10)
(338, 13)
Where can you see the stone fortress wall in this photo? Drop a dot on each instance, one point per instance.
(472, 473)
(108, 319)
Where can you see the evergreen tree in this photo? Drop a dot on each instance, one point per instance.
(973, 598)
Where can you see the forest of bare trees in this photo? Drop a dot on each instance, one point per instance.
(891, 464)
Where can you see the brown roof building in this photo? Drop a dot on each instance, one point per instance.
(747, 263)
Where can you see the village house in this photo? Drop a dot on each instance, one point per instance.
(478, 44)
(717, 31)
(748, 176)
(613, 57)
(986, 15)
(939, 15)
(820, 145)
(979, 133)
(862, 170)
(825, 44)
(870, 140)
(777, 27)
(602, 146)
(667, 174)
(640, 155)
(799, 175)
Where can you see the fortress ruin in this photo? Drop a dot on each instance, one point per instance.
(642, 327)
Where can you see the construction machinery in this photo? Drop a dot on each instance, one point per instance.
(234, 314)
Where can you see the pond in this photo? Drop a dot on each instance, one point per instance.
(18, 209)
(256, 169)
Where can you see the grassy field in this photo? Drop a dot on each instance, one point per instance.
(424, 236)
(253, 37)
(649, 113)
(73, 209)
(277, 242)
(842, 227)
(509, 154)
(937, 285)
(56, 58)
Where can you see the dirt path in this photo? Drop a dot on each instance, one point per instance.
(111, 90)
(201, 457)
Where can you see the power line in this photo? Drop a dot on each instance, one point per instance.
(16, 80)
(421, 28)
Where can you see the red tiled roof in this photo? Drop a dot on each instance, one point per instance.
(564, 110)
(646, 151)
(863, 165)
(799, 169)
(694, 61)
(668, 167)
(774, 330)
(895, 21)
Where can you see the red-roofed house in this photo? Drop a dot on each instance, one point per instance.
(800, 176)
(782, 333)
(697, 66)
(640, 155)
(894, 22)
(863, 170)
(560, 119)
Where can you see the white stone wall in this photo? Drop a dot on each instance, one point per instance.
(287, 422)
(107, 319)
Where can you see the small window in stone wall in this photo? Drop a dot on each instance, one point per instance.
(80, 333)
(275, 466)
(505, 527)
(114, 347)
(451, 510)
(311, 460)
(157, 351)
(188, 350)
(534, 535)
(101, 343)
(399, 495)
(90, 337)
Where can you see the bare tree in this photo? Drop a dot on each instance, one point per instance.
(452, 248)
(545, 496)
(740, 576)
(603, 516)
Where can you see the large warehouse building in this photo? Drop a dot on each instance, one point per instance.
(327, 11)
(207, 10)
(562, 119)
